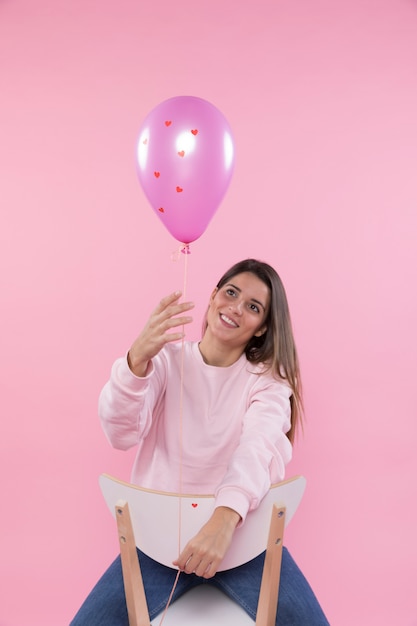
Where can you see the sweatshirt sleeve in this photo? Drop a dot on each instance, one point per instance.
(263, 450)
(126, 404)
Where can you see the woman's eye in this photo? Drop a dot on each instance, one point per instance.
(230, 292)
(253, 307)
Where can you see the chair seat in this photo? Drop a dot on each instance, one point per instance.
(206, 606)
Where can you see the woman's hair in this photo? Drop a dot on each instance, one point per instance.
(276, 347)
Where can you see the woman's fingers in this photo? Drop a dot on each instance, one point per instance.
(203, 564)
(156, 333)
(204, 553)
(169, 307)
(173, 322)
(167, 315)
(167, 300)
(205, 568)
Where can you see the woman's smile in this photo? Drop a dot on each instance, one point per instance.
(228, 321)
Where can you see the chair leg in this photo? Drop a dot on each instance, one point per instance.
(268, 595)
(137, 607)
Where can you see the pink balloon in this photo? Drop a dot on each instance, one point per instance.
(185, 159)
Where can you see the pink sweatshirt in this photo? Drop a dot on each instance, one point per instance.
(228, 438)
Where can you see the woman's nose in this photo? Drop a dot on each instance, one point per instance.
(237, 307)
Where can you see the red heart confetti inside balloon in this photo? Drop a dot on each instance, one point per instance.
(157, 174)
(195, 131)
(194, 505)
(181, 153)
(161, 210)
(168, 123)
(179, 189)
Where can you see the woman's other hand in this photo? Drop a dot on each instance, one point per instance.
(155, 335)
(204, 553)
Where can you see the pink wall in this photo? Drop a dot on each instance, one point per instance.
(322, 98)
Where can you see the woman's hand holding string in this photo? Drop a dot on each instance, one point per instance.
(204, 553)
(155, 335)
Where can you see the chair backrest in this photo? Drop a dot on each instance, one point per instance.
(162, 522)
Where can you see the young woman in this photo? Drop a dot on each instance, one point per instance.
(240, 395)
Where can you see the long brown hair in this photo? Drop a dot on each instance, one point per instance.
(276, 347)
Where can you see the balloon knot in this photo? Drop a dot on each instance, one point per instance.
(183, 249)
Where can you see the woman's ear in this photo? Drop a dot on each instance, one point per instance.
(213, 293)
(261, 331)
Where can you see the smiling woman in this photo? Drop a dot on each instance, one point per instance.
(237, 312)
(240, 398)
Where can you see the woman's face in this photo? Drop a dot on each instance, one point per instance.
(238, 310)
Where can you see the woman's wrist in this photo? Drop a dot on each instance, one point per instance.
(229, 516)
(138, 367)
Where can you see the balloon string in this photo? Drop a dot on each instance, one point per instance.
(184, 292)
(186, 252)
(170, 597)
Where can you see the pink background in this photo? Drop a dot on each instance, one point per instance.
(322, 99)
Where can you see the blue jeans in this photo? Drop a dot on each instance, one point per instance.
(297, 604)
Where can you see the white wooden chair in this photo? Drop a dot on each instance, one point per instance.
(158, 522)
